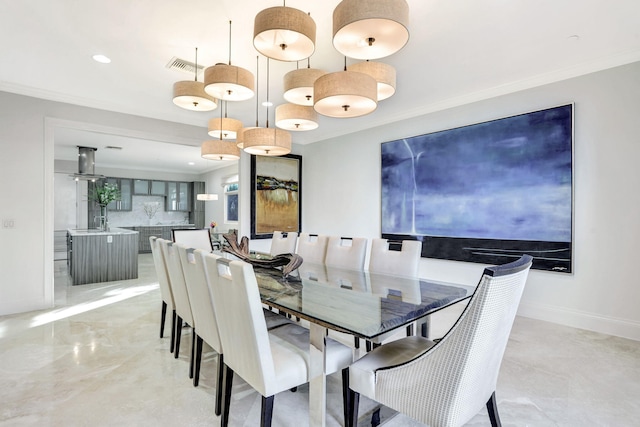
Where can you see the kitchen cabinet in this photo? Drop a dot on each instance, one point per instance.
(145, 187)
(125, 185)
(178, 196)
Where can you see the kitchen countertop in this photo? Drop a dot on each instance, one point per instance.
(97, 232)
(182, 224)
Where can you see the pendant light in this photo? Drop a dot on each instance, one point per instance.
(224, 128)
(296, 117)
(219, 149)
(370, 29)
(228, 82)
(240, 135)
(298, 85)
(190, 95)
(284, 33)
(267, 141)
(345, 94)
(384, 75)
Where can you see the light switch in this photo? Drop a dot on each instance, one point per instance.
(8, 223)
(109, 239)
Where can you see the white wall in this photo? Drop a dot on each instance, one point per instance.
(341, 196)
(214, 210)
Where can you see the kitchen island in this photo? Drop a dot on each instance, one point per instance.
(102, 256)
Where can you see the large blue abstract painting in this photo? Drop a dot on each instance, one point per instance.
(486, 192)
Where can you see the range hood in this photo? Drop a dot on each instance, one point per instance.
(87, 165)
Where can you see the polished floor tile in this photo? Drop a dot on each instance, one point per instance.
(95, 359)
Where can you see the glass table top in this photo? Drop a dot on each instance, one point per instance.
(357, 302)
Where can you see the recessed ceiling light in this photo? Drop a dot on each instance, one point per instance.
(192, 163)
(267, 104)
(102, 59)
(574, 38)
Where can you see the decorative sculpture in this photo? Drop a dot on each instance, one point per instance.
(288, 262)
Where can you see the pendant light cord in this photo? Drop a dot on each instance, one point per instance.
(267, 92)
(229, 42)
(257, 87)
(196, 72)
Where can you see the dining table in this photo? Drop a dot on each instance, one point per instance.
(360, 303)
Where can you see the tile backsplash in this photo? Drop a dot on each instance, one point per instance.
(138, 216)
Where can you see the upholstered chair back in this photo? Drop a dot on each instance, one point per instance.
(346, 252)
(312, 248)
(404, 262)
(176, 278)
(161, 272)
(193, 238)
(281, 244)
(199, 296)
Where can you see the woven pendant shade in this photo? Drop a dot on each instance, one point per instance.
(228, 82)
(227, 127)
(219, 150)
(345, 94)
(267, 142)
(240, 137)
(190, 95)
(296, 117)
(384, 75)
(298, 85)
(370, 29)
(284, 33)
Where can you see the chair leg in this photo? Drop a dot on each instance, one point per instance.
(410, 330)
(356, 342)
(354, 402)
(220, 384)
(345, 396)
(173, 331)
(267, 411)
(196, 373)
(163, 318)
(375, 418)
(178, 336)
(492, 408)
(193, 352)
(228, 385)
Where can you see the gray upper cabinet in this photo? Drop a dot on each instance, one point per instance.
(158, 188)
(145, 187)
(178, 197)
(125, 185)
(141, 187)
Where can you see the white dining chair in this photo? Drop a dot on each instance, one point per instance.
(446, 383)
(404, 263)
(165, 289)
(346, 252)
(205, 326)
(196, 238)
(283, 243)
(269, 361)
(180, 295)
(312, 247)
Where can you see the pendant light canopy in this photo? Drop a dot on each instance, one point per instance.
(218, 149)
(267, 141)
(296, 117)
(370, 29)
(228, 82)
(298, 85)
(284, 33)
(190, 95)
(345, 94)
(384, 75)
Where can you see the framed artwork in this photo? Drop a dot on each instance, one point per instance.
(275, 195)
(486, 192)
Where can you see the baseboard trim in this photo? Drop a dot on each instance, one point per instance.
(583, 320)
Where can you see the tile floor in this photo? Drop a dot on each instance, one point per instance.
(96, 360)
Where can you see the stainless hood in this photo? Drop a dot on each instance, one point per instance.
(87, 165)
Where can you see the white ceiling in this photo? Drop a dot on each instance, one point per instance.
(459, 51)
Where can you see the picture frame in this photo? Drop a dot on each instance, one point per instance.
(486, 192)
(276, 184)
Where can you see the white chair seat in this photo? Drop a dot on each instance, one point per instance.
(363, 371)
